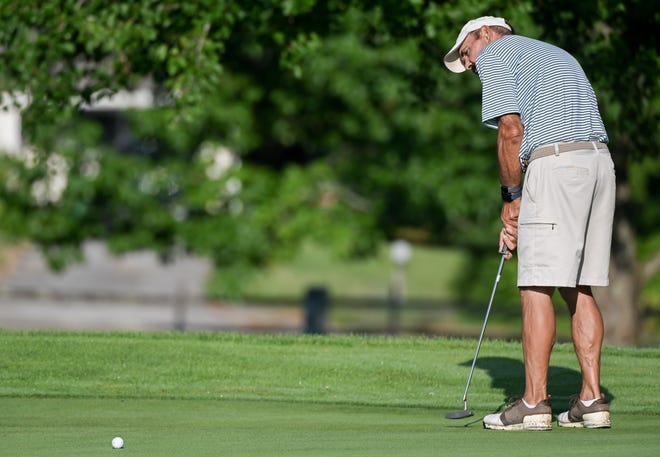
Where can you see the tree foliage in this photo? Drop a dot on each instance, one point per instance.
(314, 100)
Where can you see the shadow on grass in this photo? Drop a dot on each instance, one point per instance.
(508, 375)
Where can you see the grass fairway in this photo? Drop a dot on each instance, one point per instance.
(203, 394)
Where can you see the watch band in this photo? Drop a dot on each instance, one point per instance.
(509, 194)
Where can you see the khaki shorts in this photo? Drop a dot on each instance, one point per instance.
(565, 222)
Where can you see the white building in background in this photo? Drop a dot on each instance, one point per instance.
(140, 98)
(11, 139)
(107, 109)
(11, 136)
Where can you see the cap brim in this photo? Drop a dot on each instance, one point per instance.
(453, 62)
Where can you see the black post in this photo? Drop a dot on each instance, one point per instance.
(317, 301)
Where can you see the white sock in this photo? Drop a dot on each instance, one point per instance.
(588, 403)
(531, 406)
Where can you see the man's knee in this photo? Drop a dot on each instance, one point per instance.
(570, 294)
(536, 292)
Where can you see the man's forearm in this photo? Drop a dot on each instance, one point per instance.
(509, 139)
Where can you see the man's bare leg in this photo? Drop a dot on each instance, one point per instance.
(538, 334)
(587, 332)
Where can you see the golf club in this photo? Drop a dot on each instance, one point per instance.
(465, 412)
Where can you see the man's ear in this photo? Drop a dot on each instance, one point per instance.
(485, 33)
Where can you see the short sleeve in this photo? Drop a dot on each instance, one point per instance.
(499, 92)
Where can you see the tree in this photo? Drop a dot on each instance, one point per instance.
(328, 134)
(299, 144)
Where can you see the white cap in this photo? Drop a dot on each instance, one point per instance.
(452, 59)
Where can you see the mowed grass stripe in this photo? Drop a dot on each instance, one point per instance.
(181, 428)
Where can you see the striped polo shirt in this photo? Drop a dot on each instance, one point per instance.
(545, 85)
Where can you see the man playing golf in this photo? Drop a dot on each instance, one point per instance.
(560, 221)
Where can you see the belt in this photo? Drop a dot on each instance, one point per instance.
(559, 148)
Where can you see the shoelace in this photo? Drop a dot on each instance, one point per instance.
(573, 399)
(513, 401)
(510, 402)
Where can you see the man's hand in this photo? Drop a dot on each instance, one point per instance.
(509, 234)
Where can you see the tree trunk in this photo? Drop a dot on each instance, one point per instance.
(619, 302)
(619, 307)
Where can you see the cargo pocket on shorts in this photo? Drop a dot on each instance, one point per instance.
(538, 244)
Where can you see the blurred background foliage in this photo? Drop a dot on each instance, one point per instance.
(280, 123)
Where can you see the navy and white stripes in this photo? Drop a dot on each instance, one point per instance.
(545, 85)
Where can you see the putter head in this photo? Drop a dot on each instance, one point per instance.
(459, 414)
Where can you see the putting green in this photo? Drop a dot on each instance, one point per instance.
(84, 427)
(213, 394)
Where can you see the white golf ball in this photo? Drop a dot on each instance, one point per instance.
(117, 442)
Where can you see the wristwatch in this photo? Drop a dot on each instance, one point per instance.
(509, 194)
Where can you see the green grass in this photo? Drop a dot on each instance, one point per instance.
(430, 274)
(214, 394)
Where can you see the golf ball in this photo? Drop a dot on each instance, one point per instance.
(117, 442)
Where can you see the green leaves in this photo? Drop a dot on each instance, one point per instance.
(295, 7)
(311, 100)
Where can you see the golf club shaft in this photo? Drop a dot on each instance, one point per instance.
(483, 327)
